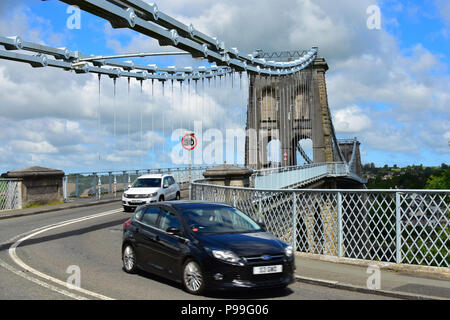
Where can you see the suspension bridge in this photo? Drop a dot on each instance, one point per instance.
(286, 102)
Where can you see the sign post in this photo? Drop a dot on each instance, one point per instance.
(189, 142)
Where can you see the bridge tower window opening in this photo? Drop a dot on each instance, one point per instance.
(273, 151)
(304, 151)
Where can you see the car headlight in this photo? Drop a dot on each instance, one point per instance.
(289, 251)
(225, 255)
(148, 195)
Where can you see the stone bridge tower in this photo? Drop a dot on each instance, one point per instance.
(289, 109)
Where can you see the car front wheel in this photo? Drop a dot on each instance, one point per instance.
(193, 280)
(129, 259)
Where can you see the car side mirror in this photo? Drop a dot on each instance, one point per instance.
(173, 231)
(262, 225)
(165, 186)
(129, 186)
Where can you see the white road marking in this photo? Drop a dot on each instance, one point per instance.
(35, 232)
(41, 283)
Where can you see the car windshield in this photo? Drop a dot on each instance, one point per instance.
(219, 220)
(147, 183)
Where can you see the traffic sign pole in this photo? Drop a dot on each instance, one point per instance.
(189, 142)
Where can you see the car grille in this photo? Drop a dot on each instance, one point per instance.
(136, 203)
(264, 260)
(136, 196)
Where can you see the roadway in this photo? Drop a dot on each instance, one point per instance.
(35, 253)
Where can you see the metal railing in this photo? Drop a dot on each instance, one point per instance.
(10, 194)
(112, 183)
(400, 226)
(297, 176)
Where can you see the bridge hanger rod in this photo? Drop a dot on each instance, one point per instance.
(148, 20)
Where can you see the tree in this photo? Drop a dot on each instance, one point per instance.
(439, 182)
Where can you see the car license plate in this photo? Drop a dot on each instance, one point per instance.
(136, 201)
(268, 269)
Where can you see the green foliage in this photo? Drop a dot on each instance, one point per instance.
(410, 177)
(439, 182)
(42, 205)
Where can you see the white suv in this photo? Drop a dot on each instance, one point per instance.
(150, 188)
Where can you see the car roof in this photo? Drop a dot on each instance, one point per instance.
(192, 204)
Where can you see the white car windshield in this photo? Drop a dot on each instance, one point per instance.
(147, 183)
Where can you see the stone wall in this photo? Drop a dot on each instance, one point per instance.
(40, 185)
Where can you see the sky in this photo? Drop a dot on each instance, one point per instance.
(388, 85)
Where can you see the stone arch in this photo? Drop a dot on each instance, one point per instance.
(306, 152)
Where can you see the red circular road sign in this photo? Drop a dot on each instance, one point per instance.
(189, 142)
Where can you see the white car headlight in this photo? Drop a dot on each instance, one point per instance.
(225, 255)
(289, 251)
(148, 195)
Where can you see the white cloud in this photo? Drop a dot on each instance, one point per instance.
(42, 147)
(444, 9)
(351, 119)
(388, 137)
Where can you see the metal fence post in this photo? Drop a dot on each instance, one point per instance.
(110, 182)
(65, 179)
(115, 186)
(398, 230)
(77, 190)
(99, 187)
(294, 222)
(340, 235)
(260, 207)
(94, 184)
(19, 194)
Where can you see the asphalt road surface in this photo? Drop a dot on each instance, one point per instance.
(39, 254)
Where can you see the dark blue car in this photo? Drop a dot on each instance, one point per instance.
(205, 246)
